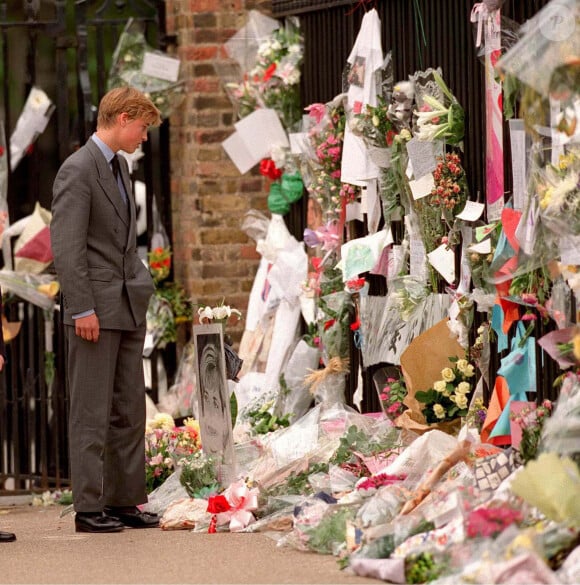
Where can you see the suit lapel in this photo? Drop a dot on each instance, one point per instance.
(107, 181)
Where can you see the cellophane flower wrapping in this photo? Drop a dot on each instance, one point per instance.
(267, 72)
(294, 395)
(127, 65)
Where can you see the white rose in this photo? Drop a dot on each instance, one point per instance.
(463, 388)
(439, 411)
(440, 386)
(276, 46)
(469, 371)
(447, 374)
(461, 365)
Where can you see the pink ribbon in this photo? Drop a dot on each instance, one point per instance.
(243, 501)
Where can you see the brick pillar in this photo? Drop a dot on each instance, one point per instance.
(213, 258)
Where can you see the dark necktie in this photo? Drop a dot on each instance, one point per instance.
(116, 173)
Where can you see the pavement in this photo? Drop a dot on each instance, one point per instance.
(48, 550)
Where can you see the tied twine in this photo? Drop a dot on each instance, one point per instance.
(336, 365)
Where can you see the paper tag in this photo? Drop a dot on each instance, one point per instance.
(422, 187)
(518, 155)
(483, 231)
(472, 211)
(421, 157)
(161, 66)
(417, 264)
(494, 209)
(443, 260)
(481, 248)
(526, 230)
(465, 277)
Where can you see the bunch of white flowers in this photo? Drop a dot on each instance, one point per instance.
(220, 313)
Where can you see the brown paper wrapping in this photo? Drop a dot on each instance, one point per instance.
(421, 364)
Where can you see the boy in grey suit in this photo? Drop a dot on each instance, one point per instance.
(106, 290)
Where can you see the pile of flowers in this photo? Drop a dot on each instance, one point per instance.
(449, 397)
(165, 445)
(375, 482)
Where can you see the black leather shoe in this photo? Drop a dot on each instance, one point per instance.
(133, 517)
(7, 537)
(96, 522)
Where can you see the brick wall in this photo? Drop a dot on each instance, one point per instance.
(213, 258)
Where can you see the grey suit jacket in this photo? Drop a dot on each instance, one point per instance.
(94, 243)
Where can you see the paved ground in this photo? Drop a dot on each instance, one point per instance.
(48, 550)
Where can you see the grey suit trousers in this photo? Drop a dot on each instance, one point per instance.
(107, 419)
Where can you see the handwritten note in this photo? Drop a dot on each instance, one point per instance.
(472, 211)
(422, 157)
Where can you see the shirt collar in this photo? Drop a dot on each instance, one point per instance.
(107, 152)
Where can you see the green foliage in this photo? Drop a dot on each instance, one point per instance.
(262, 421)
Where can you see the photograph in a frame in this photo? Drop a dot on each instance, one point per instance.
(213, 396)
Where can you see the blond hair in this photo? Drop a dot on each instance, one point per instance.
(130, 101)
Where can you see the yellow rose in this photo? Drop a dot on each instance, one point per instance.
(460, 400)
(447, 374)
(463, 388)
(469, 371)
(439, 411)
(440, 386)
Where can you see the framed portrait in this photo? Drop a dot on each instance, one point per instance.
(213, 397)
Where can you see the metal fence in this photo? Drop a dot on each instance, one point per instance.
(64, 48)
(420, 34)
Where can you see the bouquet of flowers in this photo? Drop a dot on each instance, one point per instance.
(449, 397)
(274, 81)
(392, 396)
(558, 191)
(165, 445)
(127, 69)
(377, 130)
(323, 166)
(531, 421)
(159, 263)
(199, 475)
(218, 314)
(440, 119)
